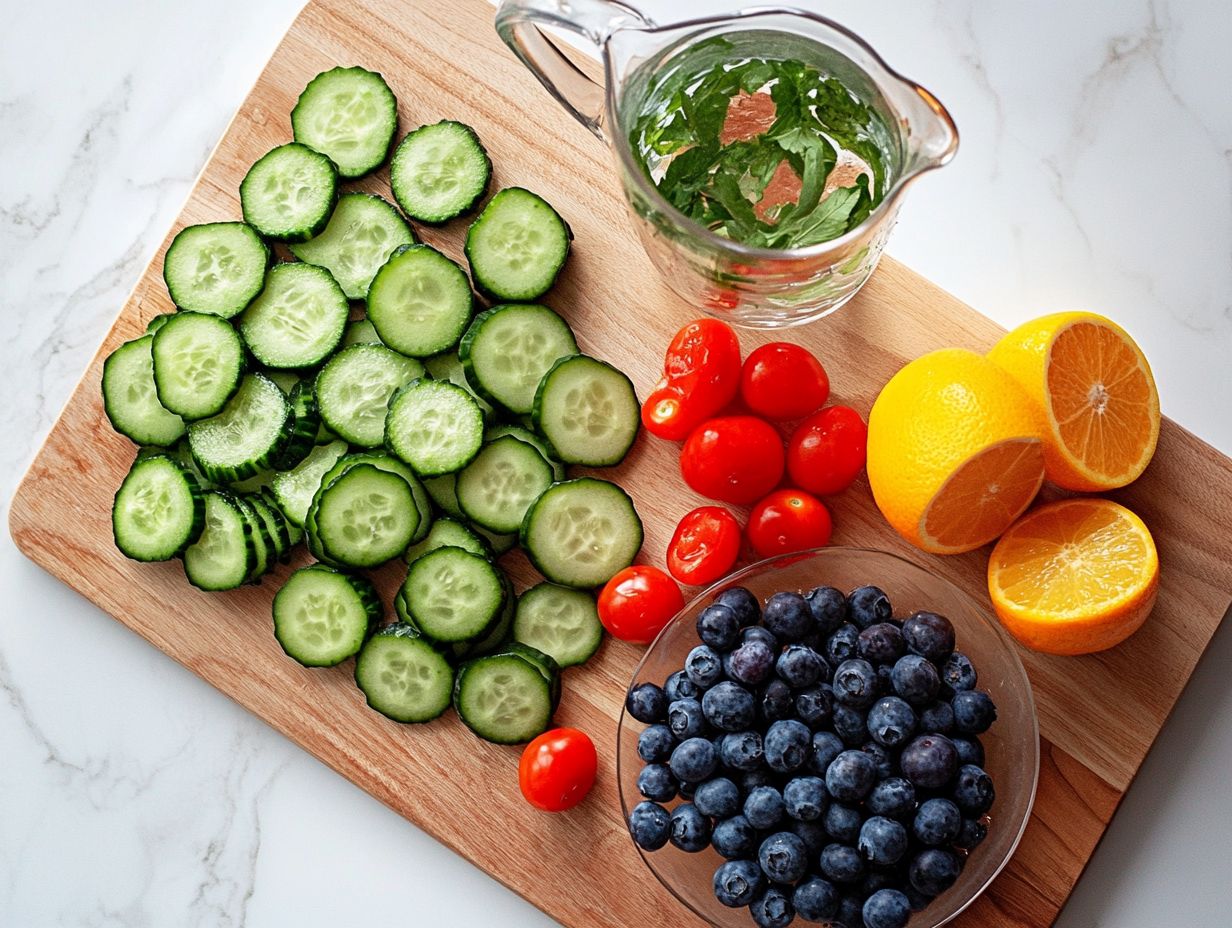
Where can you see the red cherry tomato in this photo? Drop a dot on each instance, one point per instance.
(701, 374)
(558, 769)
(736, 459)
(705, 546)
(783, 381)
(638, 602)
(788, 520)
(826, 452)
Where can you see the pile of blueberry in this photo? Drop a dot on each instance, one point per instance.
(827, 750)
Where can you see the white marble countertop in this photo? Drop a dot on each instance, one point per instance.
(1095, 171)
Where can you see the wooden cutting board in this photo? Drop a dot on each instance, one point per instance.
(1098, 715)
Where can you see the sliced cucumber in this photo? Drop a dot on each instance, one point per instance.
(503, 698)
(323, 616)
(363, 231)
(443, 490)
(360, 332)
(225, 554)
(402, 676)
(265, 551)
(349, 114)
(242, 439)
(588, 411)
(581, 532)
(275, 524)
(561, 622)
(507, 350)
(130, 397)
(420, 302)
(198, 363)
(294, 489)
(453, 595)
(499, 633)
(304, 425)
(448, 366)
(218, 268)
(158, 511)
(365, 517)
(388, 462)
(500, 484)
(286, 380)
(354, 388)
(440, 172)
(434, 427)
(446, 533)
(517, 246)
(157, 322)
(501, 544)
(298, 319)
(289, 193)
(526, 435)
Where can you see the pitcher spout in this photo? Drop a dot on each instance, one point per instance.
(930, 135)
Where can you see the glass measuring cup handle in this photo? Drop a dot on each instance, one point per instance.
(518, 22)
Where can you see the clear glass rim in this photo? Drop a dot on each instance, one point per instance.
(634, 172)
(734, 579)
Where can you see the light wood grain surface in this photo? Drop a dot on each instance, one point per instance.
(1098, 715)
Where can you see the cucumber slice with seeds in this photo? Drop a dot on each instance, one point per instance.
(440, 172)
(360, 332)
(561, 622)
(275, 525)
(198, 364)
(223, 557)
(501, 483)
(262, 543)
(130, 397)
(402, 676)
(435, 427)
(158, 511)
(448, 533)
(322, 616)
(388, 462)
(452, 595)
(448, 366)
(294, 489)
(244, 438)
(420, 302)
(507, 350)
(581, 532)
(365, 517)
(354, 388)
(350, 115)
(298, 319)
(304, 425)
(588, 411)
(157, 322)
(503, 698)
(217, 267)
(545, 450)
(289, 193)
(443, 490)
(501, 544)
(362, 233)
(517, 246)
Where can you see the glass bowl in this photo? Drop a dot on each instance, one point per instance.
(1011, 745)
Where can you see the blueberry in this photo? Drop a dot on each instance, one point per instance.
(704, 666)
(868, 605)
(686, 719)
(929, 762)
(799, 665)
(971, 834)
(752, 779)
(743, 603)
(829, 608)
(878, 879)
(842, 822)
(783, 857)
(656, 782)
(973, 791)
(929, 635)
(851, 725)
(764, 807)
(751, 663)
(970, 750)
(737, 883)
(881, 643)
(938, 822)
(851, 911)
(787, 745)
(815, 705)
(893, 797)
(687, 790)
(719, 797)
(933, 871)
(759, 633)
(882, 841)
(824, 748)
(655, 744)
(886, 908)
(958, 673)
(841, 863)
(679, 686)
(813, 834)
(974, 711)
(815, 899)
(777, 701)
(885, 679)
(919, 901)
(887, 765)
(937, 718)
(693, 760)
(718, 627)
(772, 909)
(734, 838)
(851, 776)
(843, 644)
(915, 679)
(742, 751)
(891, 722)
(647, 703)
(690, 829)
(728, 706)
(788, 616)
(650, 825)
(805, 798)
(855, 683)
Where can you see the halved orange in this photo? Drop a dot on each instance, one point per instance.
(1074, 576)
(1097, 395)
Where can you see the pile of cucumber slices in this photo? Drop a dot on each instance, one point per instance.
(435, 428)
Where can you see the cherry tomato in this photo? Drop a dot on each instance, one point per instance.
(783, 381)
(736, 459)
(705, 546)
(638, 602)
(826, 452)
(701, 374)
(558, 769)
(788, 520)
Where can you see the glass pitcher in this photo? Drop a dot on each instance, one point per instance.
(742, 284)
